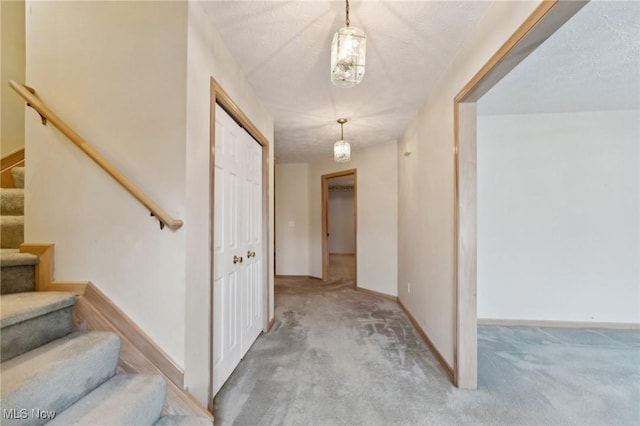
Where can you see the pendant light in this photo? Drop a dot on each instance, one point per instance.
(348, 51)
(342, 149)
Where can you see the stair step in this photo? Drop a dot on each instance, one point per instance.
(55, 376)
(125, 399)
(12, 201)
(13, 257)
(20, 307)
(18, 271)
(183, 421)
(29, 320)
(12, 231)
(18, 176)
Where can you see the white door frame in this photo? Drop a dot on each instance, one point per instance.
(220, 97)
(541, 24)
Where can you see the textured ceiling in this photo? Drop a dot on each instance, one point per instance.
(284, 50)
(591, 63)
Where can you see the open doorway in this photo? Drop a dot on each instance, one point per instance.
(339, 227)
(562, 185)
(541, 24)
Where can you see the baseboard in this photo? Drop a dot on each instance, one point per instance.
(124, 326)
(271, 322)
(443, 363)
(302, 277)
(8, 162)
(377, 293)
(77, 287)
(138, 353)
(560, 324)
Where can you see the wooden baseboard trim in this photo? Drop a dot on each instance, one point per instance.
(377, 293)
(125, 326)
(271, 322)
(560, 324)
(8, 162)
(301, 277)
(136, 356)
(443, 363)
(138, 353)
(77, 287)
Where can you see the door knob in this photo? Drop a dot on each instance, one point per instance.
(251, 254)
(237, 259)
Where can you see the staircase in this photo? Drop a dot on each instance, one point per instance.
(51, 374)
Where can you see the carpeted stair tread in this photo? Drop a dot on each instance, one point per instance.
(12, 231)
(13, 257)
(19, 307)
(12, 201)
(125, 399)
(183, 421)
(18, 176)
(56, 375)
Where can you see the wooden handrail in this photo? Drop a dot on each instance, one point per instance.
(46, 114)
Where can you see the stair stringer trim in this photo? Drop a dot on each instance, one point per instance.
(138, 353)
(8, 162)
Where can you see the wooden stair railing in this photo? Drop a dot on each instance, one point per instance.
(47, 115)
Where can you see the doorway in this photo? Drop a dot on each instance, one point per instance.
(339, 226)
(542, 23)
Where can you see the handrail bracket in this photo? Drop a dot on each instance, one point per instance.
(33, 92)
(42, 117)
(161, 222)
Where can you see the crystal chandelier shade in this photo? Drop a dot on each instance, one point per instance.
(348, 55)
(341, 149)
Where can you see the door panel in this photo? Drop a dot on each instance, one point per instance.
(253, 178)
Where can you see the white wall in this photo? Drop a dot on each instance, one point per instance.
(292, 219)
(116, 72)
(134, 79)
(426, 183)
(12, 67)
(377, 215)
(341, 222)
(208, 57)
(559, 216)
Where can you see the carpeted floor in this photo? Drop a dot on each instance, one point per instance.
(339, 357)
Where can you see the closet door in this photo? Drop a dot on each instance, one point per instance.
(227, 248)
(237, 249)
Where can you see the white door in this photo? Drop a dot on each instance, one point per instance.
(237, 284)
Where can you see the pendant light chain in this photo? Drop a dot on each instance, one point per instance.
(341, 131)
(347, 21)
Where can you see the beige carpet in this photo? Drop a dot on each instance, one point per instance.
(339, 357)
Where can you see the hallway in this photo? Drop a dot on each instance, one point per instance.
(337, 356)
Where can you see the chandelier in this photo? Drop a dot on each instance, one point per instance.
(342, 149)
(348, 51)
